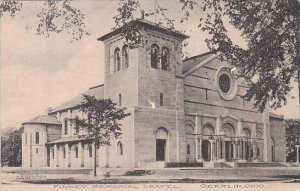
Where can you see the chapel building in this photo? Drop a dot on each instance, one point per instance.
(182, 111)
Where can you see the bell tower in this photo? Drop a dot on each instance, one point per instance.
(146, 76)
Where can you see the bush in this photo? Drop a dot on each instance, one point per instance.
(138, 173)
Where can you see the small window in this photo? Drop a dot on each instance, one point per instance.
(37, 150)
(64, 152)
(66, 126)
(25, 138)
(120, 148)
(155, 56)
(76, 152)
(37, 138)
(125, 57)
(165, 58)
(161, 99)
(117, 60)
(120, 100)
(188, 149)
(257, 151)
(224, 82)
(90, 151)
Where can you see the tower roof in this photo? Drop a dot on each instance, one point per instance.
(43, 119)
(149, 25)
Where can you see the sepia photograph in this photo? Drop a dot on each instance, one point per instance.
(150, 95)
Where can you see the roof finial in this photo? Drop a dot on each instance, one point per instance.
(142, 14)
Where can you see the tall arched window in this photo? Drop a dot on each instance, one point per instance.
(25, 138)
(66, 126)
(64, 152)
(161, 99)
(120, 100)
(154, 56)
(76, 151)
(125, 57)
(90, 151)
(37, 138)
(120, 148)
(76, 127)
(165, 58)
(117, 59)
(188, 149)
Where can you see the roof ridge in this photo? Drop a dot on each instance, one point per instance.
(196, 56)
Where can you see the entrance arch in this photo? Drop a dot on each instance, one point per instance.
(273, 149)
(248, 149)
(229, 132)
(161, 144)
(207, 133)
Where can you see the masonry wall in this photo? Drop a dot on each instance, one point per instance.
(201, 95)
(278, 135)
(147, 122)
(34, 154)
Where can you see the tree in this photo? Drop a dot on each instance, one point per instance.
(270, 29)
(11, 148)
(292, 134)
(55, 17)
(101, 122)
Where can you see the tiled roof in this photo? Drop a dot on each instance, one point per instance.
(191, 62)
(273, 115)
(146, 24)
(97, 91)
(67, 139)
(43, 119)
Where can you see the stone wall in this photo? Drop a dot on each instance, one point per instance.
(278, 135)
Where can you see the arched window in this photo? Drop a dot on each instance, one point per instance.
(66, 126)
(64, 152)
(52, 150)
(90, 151)
(125, 57)
(117, 59)
(165, 58)
(37, 138)
(188, 149)
(120, 148)
(76, 152)
(25, 138)
(161, 99)
(120, 100)
(154, 56)
(76, 127)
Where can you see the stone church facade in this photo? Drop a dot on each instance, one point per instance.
(182, 111)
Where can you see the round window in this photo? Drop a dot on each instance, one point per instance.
(224, 83)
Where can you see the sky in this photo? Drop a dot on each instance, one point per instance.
(39, 72)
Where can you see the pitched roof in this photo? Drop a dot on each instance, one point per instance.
(97, 91)
(273, 115)
(147, 24)
(193, 61)
(67, 139)
(43, 119)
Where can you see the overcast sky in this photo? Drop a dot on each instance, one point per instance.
(38, 72)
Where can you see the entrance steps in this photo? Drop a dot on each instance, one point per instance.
(152, 165)
(218, 164)
(260, 164)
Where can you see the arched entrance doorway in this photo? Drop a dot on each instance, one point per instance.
(248, 149)
(229, 133)
(273, 149)
(207, 133)
(161, 144)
